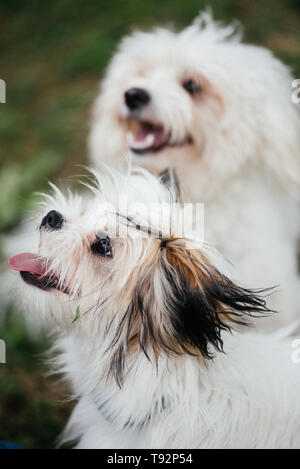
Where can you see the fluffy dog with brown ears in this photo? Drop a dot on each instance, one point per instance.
(142, 318)
(220, 112)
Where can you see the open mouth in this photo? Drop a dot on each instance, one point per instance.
(34, 271)
(144, 137)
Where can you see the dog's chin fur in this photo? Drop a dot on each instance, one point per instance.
(141, 332)
(235, 144)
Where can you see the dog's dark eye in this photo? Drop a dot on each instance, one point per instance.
(191, 87)
(102, 246)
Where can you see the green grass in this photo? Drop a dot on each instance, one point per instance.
(32, 408)
(52, 55)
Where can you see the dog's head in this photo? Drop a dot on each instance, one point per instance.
(127, 285)
(199, 96)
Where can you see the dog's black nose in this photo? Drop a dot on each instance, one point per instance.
(52, 221)
(135, 98)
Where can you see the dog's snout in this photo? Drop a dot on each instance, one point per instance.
(52, 221)
(135, 98)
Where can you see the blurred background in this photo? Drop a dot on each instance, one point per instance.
(52, 56)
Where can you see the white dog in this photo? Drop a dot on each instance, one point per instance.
(220, 113)
(139, 313)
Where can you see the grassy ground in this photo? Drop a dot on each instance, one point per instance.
(52, 55)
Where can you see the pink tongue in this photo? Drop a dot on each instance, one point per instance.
(160, 138)
(28, 262)
(144, 130)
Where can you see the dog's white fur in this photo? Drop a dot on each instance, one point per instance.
(246, 398)
(244, 159)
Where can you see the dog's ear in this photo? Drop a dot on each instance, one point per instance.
(180, 305)
(201, 302)
(169, 178)
(280, 145)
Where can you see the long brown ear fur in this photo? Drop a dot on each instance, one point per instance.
(207, 302)
(181, 305)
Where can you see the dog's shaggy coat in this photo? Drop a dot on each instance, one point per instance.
(220, 113)
(143, 319)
